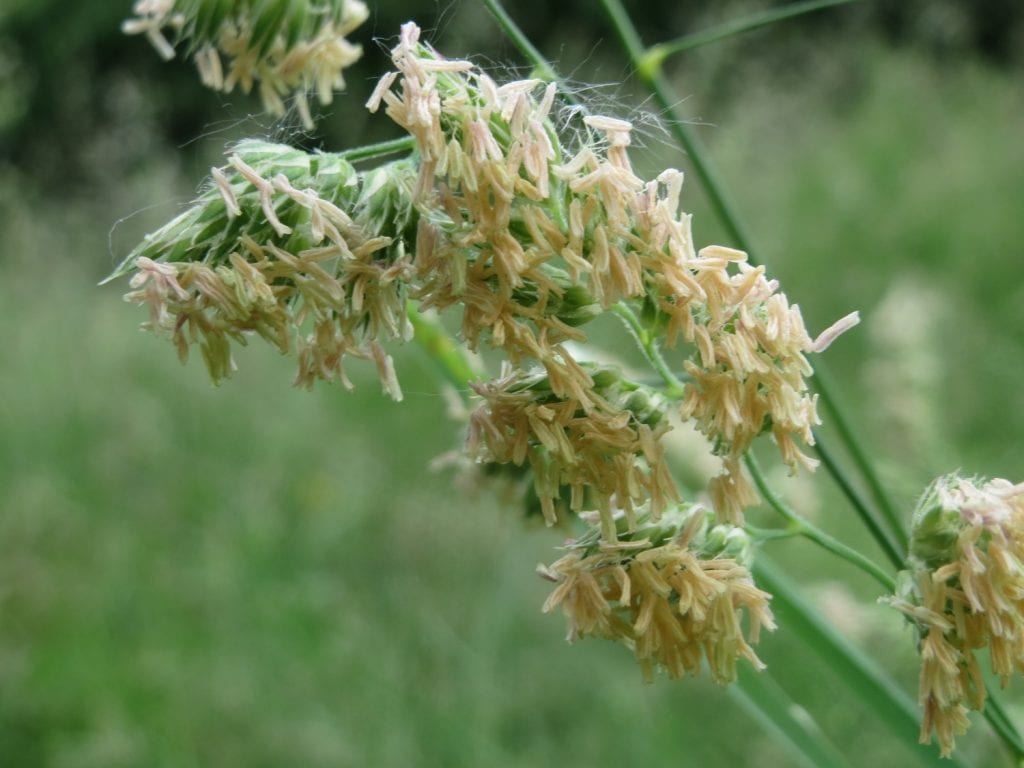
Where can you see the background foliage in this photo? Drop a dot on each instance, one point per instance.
(249, 575)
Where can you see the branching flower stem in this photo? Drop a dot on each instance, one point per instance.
(892, 543)
(808, 530)
(657, 54)
(647, 341)
(648, 344)
(889, 545)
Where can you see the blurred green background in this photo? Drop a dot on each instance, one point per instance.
(256, 576)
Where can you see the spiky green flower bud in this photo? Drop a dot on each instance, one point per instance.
(935, 526)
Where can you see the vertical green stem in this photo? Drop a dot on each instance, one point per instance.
(889, 544)
(823, 385)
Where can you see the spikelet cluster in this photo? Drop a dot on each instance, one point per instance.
(276, 246)
(963, 591)
(674, 591)
(531, 239)
(600, 444)
(284, 47)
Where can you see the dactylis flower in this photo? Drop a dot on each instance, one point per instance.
(963, 591)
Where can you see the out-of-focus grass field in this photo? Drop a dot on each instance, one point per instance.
(253, 575)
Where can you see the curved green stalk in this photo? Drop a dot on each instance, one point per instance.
(823, 384)
(890, 546)
(648, 344)
(512, 31)
(766, 701)
(657, 54)
(810, 531)
(1001, 723)
(453, 363)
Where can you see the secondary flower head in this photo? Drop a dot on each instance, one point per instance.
(599, 443)
(674, 591)
(963, 590)
(513, 218)
(284, 245)
(286, 46)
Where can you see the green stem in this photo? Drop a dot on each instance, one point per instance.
(859, 674)
(824, 386)
(766, 701)
(512, 31)
(1002, 724)
(648, 344)
(382, 149)
(443, 349)
(771, 534)
(890, 546)
(699, 158)
(808, 530)
(657, 54)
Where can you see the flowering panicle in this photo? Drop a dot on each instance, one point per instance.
(283, 255)
(963, 590)
(532, 241)
(287, 46)
(601, 443)
(674, 591)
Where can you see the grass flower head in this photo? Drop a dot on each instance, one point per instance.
(963, 591)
